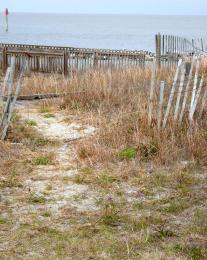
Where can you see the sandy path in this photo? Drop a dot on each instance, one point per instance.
(53, 181)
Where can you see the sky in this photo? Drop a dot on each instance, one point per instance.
(163, 7)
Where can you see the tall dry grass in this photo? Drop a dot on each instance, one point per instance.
(118, 104)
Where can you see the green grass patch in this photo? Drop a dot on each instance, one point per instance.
(37, 199)
(128, 153)
(42, 160)
(31, 123)
(49, 115)
(2, 220)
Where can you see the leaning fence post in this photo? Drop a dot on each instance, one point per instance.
(4, 56)
(192, 111)
(162, 86)
(187, 89)
(182, 79)
(172, 94)
(152, 86)
(158, 49)
(13, 102)
(195, 83)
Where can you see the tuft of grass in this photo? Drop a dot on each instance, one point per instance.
(45, 109)
(31, 123)
(192, 251)
(175, 206)
(39, 199)
(3, 220)
(128, 153)
(43, 160)
(49, 115)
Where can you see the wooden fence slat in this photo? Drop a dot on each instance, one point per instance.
(194, 88)
(152, 86)
(172, 94)
(196, 98)
(13, 102)
(182, 79)
(162, 86)
(187, 89)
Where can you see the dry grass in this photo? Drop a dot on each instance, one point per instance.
(152, 206)
(118, 104)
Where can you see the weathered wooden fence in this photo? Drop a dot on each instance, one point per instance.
(7, 88)
(169, 49)
(185, 98)
(68, 60)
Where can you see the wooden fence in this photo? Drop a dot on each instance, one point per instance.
(169, 49)
(185, 97)
(68, 60)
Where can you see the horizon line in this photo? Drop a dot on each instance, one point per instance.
(133, 14)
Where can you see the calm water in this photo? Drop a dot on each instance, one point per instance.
(99, 31)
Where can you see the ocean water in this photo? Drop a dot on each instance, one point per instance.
(133, 32)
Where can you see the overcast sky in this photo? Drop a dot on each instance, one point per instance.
(188, 7)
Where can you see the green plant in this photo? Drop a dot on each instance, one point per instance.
(37, 199)
(42, 160)
(45, 109)
(2, 220)
(110, 215)
(49, 115)
(31, 123)
(128, 153)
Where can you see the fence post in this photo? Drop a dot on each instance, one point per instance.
(65, 63)
(158, 49)
(4, 55)
(95, 60)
